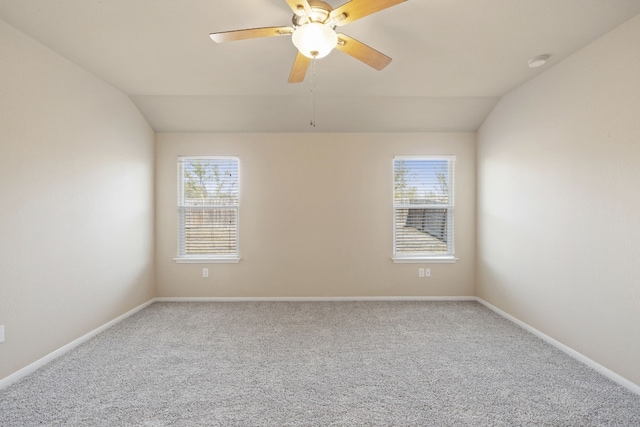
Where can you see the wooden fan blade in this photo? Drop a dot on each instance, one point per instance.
(297, 5)
(299, 69)
(251, 33)
(356, 9)
(362, 52)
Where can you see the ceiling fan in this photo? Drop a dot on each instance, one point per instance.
(313, 32)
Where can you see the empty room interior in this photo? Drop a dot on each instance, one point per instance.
(169, 180)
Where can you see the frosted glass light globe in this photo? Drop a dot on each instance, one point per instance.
(314, 40)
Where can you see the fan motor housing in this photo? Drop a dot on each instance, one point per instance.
(319, 13)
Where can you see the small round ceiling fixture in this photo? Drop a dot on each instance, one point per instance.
(538, 61)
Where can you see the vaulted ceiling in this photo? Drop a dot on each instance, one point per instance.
(452, 59)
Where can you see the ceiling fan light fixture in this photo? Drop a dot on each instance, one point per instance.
(314, 40)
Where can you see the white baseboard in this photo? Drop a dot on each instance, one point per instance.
(7, 381)
(310, 299)
(568, 350)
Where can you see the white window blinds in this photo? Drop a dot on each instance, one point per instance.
(208, 201)
(423, 205)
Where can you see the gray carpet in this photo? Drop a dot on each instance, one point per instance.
(317, 364)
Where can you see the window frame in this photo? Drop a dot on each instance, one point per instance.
(424, 257)
(182, 208)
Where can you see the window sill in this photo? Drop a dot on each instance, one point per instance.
(424, 260)
(229, 260)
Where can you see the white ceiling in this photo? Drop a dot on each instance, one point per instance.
(452, 59)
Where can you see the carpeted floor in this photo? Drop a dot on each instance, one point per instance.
(317, 364)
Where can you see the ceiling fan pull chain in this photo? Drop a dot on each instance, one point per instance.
(313, 93)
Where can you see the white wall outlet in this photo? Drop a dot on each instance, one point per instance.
(421, 272)
(205, 272)
(427, 272)
(2, 333)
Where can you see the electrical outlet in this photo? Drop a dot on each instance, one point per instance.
(427, 272)
(421, 272)
(205, 272)
(2, 333)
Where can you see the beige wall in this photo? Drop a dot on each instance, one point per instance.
(559, 202)
(76, 202)
(315, 216)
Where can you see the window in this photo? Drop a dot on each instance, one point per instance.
(423, 209)
(208, 194)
